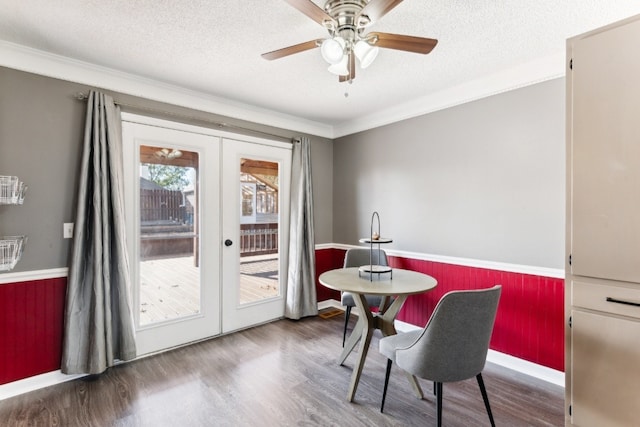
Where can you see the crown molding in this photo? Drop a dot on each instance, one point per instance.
(60, 67)
(537, 71)
(47, 64)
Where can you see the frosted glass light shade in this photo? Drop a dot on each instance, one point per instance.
(332, 50)
(341, 68)
(365, 53)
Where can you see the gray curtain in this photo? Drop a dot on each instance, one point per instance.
(98, 326)
(302, 299)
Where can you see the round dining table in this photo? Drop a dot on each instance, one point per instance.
(398, 283)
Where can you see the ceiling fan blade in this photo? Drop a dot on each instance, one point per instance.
(297, 48)
(400, 42)
(310, 9)
(376, 9)
(352, 69)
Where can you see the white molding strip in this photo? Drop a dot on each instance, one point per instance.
(537, 71)
(27, 276)
(34, 383)
(327, 246)
(467, 262)
(60, 67)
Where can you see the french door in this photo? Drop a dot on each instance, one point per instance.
(207, 222)
(172, 201)
(255, 221)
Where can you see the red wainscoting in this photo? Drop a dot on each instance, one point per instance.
(530, 320)
(529, 324)
(31, 319)
(328, 259)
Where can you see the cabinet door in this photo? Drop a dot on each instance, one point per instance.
(604, 120)
(605, 370)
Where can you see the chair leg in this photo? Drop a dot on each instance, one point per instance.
(438, 403)
(386, 384)
(347, 313)
(485, 398)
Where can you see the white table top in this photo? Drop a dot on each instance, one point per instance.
(404, 282)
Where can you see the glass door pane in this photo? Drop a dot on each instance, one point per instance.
(259, 220)
(169, 258)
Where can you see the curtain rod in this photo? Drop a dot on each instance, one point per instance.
(222, 125)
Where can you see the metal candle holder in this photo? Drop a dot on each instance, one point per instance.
(377, 239)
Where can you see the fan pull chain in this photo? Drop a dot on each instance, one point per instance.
(346, 92)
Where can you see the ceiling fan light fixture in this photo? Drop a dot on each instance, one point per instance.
(165, 153)
(161, 153)
(332, 50)
(341, 68)
(174, 154)
(365, 53)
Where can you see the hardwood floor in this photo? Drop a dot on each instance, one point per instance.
(279, 374)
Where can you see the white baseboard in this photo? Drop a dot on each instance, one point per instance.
(331, 303)
(34, 383)
(532, 369)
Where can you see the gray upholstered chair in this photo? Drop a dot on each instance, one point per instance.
(357, 257)
(452, 346)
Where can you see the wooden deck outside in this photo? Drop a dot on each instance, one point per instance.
(170, 288)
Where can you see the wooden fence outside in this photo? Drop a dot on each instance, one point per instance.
(167, 227)
(164, 206)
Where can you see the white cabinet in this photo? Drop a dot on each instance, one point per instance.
(605, 353)
(605, 152)
(603, 227)
(605, 368)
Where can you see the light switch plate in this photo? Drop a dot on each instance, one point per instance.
(67, 230)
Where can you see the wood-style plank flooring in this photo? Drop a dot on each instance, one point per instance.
(279, 374)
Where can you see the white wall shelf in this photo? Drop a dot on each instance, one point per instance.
(12, 192)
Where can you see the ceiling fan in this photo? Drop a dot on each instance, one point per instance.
(346, 21)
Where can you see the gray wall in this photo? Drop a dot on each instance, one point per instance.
(41, 130)
(484, 180)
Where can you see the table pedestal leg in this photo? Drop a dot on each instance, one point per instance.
(363, 331)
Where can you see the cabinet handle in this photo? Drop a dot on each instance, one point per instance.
(620, 301)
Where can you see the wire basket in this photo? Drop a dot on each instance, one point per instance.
(11, 248)
(12, 190)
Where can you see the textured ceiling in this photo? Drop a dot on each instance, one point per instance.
(214, 46)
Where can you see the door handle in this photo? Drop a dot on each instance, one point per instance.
(228, 242)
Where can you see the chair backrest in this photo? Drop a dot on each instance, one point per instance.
(453, 345)
(356, 257)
